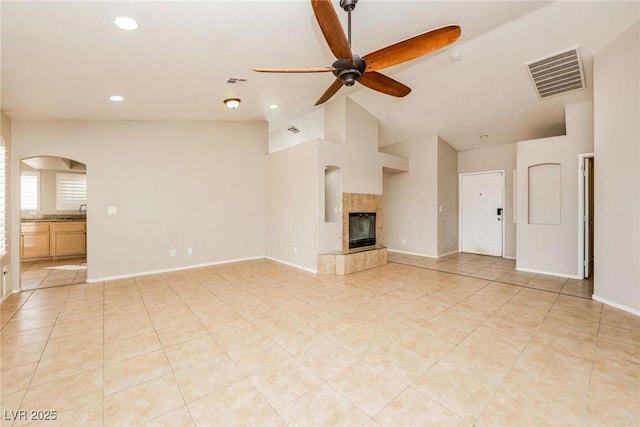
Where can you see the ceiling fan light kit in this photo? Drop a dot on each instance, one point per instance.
(350, 68)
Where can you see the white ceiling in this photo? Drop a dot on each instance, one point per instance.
(62, 60)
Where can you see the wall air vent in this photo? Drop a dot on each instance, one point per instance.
(234, 80)
(293, 129)
(557, 74)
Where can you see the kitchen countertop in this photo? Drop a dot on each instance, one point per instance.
(55, 218)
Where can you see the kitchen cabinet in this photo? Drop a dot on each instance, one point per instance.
(68, 239)
(34, 240)
(53, 239)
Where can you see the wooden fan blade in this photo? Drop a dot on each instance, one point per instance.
(381, 83)
(294, 70)
(332, 29)
(412, 48)
(335, 86)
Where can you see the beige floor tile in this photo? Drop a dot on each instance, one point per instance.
(411, 408)
(129, 372)
(199, 380)
(223, 408)
(323, 406)
(284, 382)
(455, 390)
(192, 352)
(367, 387)
(327, 359)
(399, 362)
(67, 364)
(66, 393)
(251, 358)
(185, 332)
(16, 378)
(237, 336)
(142, 402)
(126, 348)
(73, 343)
(177, 418)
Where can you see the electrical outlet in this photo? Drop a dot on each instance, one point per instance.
(295, 249)
(172, 252)
(189, 251)
(403, 241)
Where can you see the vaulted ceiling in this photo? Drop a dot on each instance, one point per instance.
(62, 60)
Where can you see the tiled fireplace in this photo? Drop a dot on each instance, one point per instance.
(352, 260)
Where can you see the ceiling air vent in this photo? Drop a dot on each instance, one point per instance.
(557, 74)
(234, 80)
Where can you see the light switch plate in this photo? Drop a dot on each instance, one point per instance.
(112, 210)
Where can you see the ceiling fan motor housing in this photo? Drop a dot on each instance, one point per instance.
(349, 72)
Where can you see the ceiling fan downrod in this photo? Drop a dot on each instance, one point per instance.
(348, 6)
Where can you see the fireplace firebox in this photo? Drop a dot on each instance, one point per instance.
(362, 229)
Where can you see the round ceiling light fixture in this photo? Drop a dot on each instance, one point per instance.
(116, 98)
(232, 103)
(274, 106)
(126, 23)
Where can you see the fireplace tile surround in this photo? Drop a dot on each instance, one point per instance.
(354, 260)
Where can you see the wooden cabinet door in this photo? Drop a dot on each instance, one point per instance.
(66, 244)
(35, 245)
(68, 239)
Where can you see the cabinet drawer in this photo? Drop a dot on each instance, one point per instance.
(65, 227)
(34, 227)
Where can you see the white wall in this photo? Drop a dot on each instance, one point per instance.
(411, 199)
(292, 205)
(447, 198)
(176, 185)
(553, 249)
(501, 157)
(617, 172)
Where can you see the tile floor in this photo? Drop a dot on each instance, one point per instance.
(261, 344)
(497, 269)
(45, 274)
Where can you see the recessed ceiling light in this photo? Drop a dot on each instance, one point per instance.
(126, 23)
(274, 106)
(484, 136)
(116, 98)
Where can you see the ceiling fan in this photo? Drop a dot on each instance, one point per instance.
(350, 68)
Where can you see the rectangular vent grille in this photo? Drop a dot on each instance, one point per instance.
(234, 80)
(557, 74)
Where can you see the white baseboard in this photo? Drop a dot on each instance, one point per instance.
(299, 267)
(549, 273)
(448, 253)
(616, 305)
(411, 253)
(169, 270)
(508, 257)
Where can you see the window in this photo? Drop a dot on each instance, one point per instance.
(3, 198)
(30, 190)
(71, 191)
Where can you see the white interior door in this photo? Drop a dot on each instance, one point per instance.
(481, 213)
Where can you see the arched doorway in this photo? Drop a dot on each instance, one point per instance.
(53, 212)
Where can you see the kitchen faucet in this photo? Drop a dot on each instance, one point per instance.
(81, 206)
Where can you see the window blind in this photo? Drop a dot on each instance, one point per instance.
(30, 191)
(71, 191)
